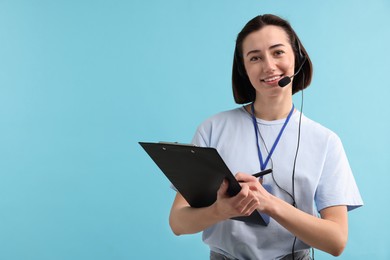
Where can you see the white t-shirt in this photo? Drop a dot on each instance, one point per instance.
(323, 177)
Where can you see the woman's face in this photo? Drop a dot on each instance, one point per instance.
(268, 57)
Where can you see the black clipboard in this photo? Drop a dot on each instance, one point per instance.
(197, 173)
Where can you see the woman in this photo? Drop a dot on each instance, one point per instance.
(311, 173)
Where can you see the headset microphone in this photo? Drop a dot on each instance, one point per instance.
(287, 79)
(284, 81)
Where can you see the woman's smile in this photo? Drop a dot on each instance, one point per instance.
(272, 80)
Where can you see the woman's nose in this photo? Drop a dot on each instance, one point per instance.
(269, 65)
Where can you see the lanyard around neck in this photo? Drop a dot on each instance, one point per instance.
(262, 163)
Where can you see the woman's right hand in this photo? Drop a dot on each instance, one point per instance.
(185, 219)
(243, 204)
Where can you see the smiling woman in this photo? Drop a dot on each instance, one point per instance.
(268, 56)
(279, 30)
(310, 172)
(82, 82)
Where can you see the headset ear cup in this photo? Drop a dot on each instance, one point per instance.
(301, 57)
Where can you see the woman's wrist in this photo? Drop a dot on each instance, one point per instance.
(271, 206)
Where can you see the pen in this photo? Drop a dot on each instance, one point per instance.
(262, 173)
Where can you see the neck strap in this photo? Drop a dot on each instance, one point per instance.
(263, 164)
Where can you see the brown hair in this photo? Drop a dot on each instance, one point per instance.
(243, 90)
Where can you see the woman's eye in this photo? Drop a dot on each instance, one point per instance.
(254, 58)
(278, 53)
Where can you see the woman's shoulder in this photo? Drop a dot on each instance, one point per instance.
(318, 130)
(220, 126)
(224, 118)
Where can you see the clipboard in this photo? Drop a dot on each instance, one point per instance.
(197, 173)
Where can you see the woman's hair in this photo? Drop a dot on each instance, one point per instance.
(243, 90)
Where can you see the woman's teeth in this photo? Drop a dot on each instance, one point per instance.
(271, 79)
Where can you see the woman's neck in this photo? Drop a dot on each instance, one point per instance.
(271, 110)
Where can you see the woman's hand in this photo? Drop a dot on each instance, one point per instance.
(256, 188)
(243, 204)
(187, 220)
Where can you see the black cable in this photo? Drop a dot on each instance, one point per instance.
(298, 142)
(292, 196)
(295, 160)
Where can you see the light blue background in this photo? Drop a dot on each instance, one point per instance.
(81, 82)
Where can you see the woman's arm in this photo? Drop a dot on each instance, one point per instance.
(184, 219)
(328, 233)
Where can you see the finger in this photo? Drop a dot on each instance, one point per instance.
(239, 198)
(243, 177)
(223, 188)
(244, 197)
(254, 205)
(243, 192)
(250, 205)
(247, 207)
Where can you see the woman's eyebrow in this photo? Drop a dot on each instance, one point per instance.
(277, 45)
(253, 51)
(271, 47)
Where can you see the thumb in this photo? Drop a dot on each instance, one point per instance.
(223, 188)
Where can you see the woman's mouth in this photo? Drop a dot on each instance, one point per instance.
(272, 79)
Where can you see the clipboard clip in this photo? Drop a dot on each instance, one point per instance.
(176, 143)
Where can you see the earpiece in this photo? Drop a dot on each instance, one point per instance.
(301, 57)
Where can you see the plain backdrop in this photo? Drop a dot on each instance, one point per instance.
(81, 82)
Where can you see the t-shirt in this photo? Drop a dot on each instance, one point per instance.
(322, 178)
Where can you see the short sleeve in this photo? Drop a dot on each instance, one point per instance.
(201, 137)
(337, 186)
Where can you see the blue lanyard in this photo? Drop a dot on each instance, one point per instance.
(264, 164)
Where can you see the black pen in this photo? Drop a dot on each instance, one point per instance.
(262, 173)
